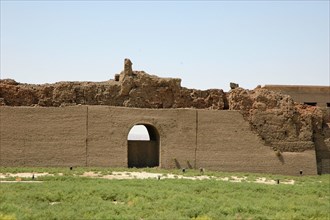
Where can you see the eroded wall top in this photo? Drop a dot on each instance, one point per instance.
(129, 89)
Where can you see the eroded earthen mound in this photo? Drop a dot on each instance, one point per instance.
(132, 89)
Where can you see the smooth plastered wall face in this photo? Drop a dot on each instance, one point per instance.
(97, 136)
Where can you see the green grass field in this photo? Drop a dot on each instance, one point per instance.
(73, 197)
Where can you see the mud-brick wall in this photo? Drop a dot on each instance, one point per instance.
(42, 136)
(97, 136)
(108, 128)
(226, 142)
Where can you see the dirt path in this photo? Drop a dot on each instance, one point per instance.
(143, 175)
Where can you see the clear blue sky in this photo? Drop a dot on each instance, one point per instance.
(206, 44)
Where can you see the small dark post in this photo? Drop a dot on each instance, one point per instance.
(33, 176)
(183, 170)
(278, 181)
(71, 168)
(301, 172)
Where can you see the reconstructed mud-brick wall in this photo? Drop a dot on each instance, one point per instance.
(43, 136)
(97, 136)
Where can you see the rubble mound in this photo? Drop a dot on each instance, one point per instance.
(280, 122)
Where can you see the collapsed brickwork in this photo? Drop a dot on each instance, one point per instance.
(280, 122)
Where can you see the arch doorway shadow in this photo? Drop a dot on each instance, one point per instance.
(143, 146)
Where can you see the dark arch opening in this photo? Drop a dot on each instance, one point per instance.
(142, 151)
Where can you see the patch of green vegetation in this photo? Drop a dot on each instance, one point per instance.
(73, 197)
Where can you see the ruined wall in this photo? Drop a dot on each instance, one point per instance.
(137, 90)
(277, 119)
(230, 145)
(282, 124)
(320, 137)
(97, 136)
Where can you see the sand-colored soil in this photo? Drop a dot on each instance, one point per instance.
(143, 175)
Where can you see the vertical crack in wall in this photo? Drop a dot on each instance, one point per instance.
(195, 164)
(86, 139)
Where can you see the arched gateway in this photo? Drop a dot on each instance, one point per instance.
(143, 152)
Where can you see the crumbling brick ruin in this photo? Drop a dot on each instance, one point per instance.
(281, 124)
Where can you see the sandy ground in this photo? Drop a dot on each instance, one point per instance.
(23, 175)
(142, 175)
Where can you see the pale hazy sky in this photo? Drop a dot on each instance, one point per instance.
(206, 44)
